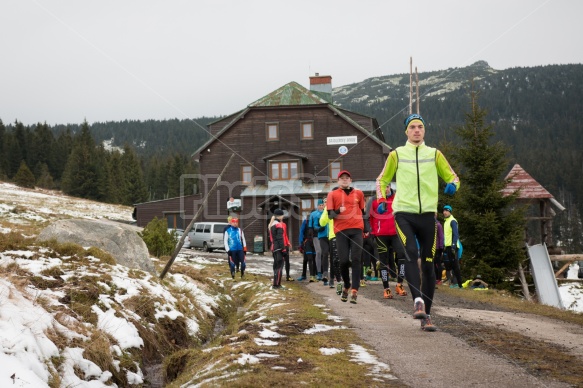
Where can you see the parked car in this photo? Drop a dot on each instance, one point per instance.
(207, 235)
(179, 233)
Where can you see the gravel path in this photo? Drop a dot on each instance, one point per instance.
(438, 359)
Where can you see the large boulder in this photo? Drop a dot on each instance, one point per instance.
(119, 240)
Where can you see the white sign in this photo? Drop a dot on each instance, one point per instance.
(337, 140)
(342, 150)
(233, 203)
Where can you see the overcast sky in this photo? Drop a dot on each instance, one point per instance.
(64, 61)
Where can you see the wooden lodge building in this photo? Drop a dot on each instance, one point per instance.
(289, 147)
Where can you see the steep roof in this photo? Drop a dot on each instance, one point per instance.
(521, 180)
(289, 94)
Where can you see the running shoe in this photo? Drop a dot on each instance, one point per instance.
(454, 286)
(312, 279)
(233, 274)
(374, 279)
(438, 282)
(290, 279)
(344, 296)
(400, 290)
(331, 284)
(301, 278)
(339, 288)
(353, 296)
(362, 283)
(419, 310)
(319, 276)
(388, 294)
(427, 325)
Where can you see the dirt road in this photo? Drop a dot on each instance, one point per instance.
(442, 358)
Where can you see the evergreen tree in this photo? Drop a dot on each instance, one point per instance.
(115, 174)
(491, 226)
(3, 160)
(41, 145)
(24, 177)
(80, 178)
(134, 190)
(60, 153)
(45, 180)
(175, 176)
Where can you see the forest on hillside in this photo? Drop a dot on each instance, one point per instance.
(145, 164)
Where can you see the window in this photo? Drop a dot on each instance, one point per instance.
(246, 174)
(307, 130)
(335, 167)
(207, 228)
(284, 171)
(174, 221)
(272, 131)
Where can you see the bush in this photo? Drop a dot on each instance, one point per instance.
(157, 238)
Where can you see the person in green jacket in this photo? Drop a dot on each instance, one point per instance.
(417, 167)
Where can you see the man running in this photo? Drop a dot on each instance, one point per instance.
(417, 167)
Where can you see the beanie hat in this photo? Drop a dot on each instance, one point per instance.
(448, 208)
(320, 201)
(412, 117)
(278, 212)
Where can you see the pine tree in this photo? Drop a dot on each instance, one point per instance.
(45, 180)
(134, 187)
(24, 177)
(491, 225)
(80, 178)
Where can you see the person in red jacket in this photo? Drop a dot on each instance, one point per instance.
(346, 207)
(383, 227)
(278, 239)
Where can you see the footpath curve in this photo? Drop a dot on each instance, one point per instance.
(421, 359)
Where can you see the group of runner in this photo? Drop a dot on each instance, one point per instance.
(402, 221)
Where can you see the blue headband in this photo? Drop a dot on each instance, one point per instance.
(412, 117)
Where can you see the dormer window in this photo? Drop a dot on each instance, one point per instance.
(307, 130)
(283, 170)
(272, 131)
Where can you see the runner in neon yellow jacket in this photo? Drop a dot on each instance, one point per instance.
(417, 167)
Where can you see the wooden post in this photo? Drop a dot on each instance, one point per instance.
(197, 215)
(410, 85)
(525, 291)
(417, 91)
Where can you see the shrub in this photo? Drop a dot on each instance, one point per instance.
(157, 238)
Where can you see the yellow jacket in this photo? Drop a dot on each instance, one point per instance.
(325, 220)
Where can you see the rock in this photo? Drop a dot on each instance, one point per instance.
(119, 240)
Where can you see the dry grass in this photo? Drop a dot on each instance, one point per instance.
(505, 300)
(296, 313)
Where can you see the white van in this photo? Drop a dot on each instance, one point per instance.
(207, 235)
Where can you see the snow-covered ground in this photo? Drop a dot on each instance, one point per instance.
(27, 329)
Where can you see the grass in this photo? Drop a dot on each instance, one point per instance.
(508, 301)
(297, 357)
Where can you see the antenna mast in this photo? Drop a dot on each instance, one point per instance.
(410, 85)
(417, 91)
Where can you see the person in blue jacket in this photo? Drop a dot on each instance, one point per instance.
(235, 245)
(314, 227)
(309, 252)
